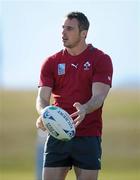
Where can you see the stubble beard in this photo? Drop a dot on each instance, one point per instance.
(72, 45)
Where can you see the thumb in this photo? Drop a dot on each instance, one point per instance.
(77, 105)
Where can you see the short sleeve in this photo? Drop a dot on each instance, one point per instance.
(46, 74)
(103, 70)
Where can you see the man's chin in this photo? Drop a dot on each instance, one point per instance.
(67, 45)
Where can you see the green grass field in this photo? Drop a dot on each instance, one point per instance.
(121, 147)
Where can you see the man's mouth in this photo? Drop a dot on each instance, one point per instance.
(64, 39)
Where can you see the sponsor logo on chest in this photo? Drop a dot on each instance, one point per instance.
(61, 69)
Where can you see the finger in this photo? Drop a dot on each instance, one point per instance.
(74, 114)
(77, 123)
(76, 120)
(43, 129)
(38, 121)
(39, 124)
(77, 105)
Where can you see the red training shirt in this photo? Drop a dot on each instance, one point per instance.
(71, 78)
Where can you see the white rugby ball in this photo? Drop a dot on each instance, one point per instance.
(58, 122)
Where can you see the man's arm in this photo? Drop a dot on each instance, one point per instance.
(99, 93)
(43, 100)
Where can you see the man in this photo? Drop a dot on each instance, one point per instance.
(79, 78)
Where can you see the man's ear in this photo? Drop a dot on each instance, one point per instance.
(84, 33)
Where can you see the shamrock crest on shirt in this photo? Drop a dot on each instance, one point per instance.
(87, 65)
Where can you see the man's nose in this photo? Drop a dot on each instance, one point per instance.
(63, 32)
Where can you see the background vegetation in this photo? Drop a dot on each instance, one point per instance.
(121, 147)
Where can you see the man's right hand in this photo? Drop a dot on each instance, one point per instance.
(40, 125)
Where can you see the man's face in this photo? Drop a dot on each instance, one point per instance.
(71, 35)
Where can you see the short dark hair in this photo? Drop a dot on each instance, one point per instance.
(82, 19)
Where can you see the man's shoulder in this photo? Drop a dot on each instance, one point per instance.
(53, 58)
(99, 56)
(98, 52)
(56, 55)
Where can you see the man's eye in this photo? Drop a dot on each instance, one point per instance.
(69, 28)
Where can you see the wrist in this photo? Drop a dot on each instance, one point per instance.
(85, 107)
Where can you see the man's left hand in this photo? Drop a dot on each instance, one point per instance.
(79, 114)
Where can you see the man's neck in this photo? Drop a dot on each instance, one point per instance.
(77, 50)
